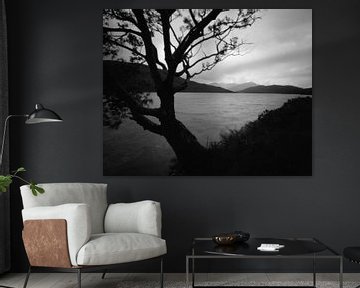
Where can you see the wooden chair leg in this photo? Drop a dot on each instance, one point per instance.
(27, 277)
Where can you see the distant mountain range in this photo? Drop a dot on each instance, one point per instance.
(279, 89)
(137, 77)
(235, 87)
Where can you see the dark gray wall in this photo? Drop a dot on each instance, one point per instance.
(56, 59)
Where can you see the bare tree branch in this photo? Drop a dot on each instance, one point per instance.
(146, 123)
(133, 105)
(120, 29)
(193, 17)
(194, 34)
(220, 36)
(166, 36)
(174, 34)
(151, 52)
(162, 65)
(133, 50)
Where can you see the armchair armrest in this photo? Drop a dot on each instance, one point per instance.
(138, 217)
(78, 225)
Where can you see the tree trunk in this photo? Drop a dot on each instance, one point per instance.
(191, 155)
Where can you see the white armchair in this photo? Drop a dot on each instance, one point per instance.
(72, 228)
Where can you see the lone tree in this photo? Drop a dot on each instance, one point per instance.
(193, 41)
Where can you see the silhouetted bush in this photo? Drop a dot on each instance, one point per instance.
(279, 142)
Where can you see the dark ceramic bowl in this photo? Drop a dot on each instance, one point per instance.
(225, 239)
(231, 238)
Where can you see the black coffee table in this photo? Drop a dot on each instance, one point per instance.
(295, 248)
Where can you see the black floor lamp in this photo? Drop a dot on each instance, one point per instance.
(39, 115)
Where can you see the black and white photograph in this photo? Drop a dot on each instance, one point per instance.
(207, 92)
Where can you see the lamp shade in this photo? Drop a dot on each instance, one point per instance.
(42, 115)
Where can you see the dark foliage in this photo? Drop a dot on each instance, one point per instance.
(114, 107)
(278, 143)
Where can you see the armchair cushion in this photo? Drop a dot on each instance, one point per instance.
(138, 217)
(113, 248)
(92, 194)
(78, 221)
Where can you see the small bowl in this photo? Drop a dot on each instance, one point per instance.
(225, 239)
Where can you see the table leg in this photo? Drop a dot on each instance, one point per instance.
(193, 267)
(193, 272)
(314, 271)
(341, 273)
(187, 272)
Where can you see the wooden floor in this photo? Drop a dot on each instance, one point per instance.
(68, 280)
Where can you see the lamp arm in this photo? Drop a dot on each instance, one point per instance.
(4, 134)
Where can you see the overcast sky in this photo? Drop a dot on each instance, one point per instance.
(281, 52)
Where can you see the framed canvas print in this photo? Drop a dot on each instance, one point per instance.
(210, 92)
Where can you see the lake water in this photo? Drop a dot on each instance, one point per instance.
(130, 150)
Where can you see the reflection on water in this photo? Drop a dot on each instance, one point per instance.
(130, 150)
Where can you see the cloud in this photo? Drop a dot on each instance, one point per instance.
(281, 52)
